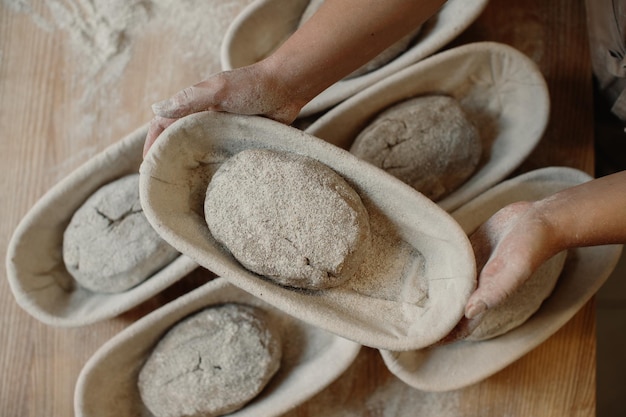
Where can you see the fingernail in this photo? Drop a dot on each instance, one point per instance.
(475, 309)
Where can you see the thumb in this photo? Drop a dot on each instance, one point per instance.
(155, 128)
(497, 281)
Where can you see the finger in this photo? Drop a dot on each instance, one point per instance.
(155, 128)
(463, 329)
(483, 245)
(190, 100)
(499, 278)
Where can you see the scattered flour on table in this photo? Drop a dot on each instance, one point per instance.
(24, 6)
(387, 398)
(103, 36)
(396, 399)
(103, 32)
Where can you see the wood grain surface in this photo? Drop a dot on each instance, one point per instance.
(48, 128)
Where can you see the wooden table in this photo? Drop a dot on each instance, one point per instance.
(49, 127)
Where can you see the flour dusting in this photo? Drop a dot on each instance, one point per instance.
(103, 30)
(386, 396)
(102, 37)
(396, 399)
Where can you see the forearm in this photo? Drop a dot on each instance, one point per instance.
(335, 41)
(342, 36)
(593, 213)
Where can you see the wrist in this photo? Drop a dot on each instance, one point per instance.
(288, 79)
(549, 212)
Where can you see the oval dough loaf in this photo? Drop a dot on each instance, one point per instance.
(522, 304)
(427, 142)
(288, 217)
(211, 363)
(109, 246)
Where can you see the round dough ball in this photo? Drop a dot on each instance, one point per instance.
(109, 246)
(288, 217)
(427, 142)
(522, 304)
(380, 60)
(211, 363)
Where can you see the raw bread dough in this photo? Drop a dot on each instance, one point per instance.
(522, 304)
(109, 246)
(426, 141)
(211, 363)
(379, 60)
(288, 217)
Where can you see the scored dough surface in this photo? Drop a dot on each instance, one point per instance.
(426, 141)
(109, 246)
(211, 363)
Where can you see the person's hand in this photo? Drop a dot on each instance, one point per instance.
(251, 90)
(340, 37)
(509, 247)
(516, 240)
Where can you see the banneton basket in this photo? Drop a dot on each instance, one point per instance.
(312, 358)
(500, 89)
(414, 284)
(463, 363)
(265, 24)
(37, 275)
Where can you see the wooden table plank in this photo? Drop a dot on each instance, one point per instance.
(49, 126)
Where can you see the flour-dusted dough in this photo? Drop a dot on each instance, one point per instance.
(288, 217)
(522, 304)
(211, 363)
(379, 60)
(427, 142)
(109, 246)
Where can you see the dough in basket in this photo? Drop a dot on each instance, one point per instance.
(288, 217)
(109, 246)
(211, 363)
(427, 142)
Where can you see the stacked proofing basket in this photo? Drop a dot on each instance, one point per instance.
(334, 332)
